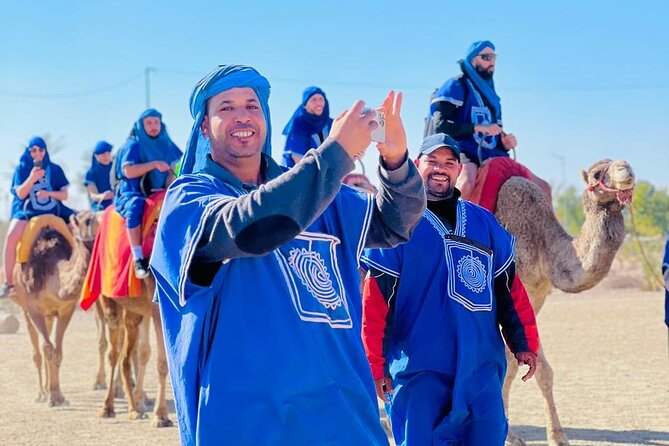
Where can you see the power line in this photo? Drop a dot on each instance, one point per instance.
(78, 94)
(343, 83)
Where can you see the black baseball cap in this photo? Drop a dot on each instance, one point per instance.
(433, 142)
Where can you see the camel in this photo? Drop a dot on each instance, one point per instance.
(130, 318)
(47, 288)
(547, 257)
(126, 322)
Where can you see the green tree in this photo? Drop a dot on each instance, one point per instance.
(648, 214)
(569, 209)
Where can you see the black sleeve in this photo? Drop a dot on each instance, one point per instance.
(443, 121)
(507, 316)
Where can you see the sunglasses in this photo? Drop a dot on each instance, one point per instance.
(37, 149)
(488, 57)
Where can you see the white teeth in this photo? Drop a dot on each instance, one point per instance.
(242, 134)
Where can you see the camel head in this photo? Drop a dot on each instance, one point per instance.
(609, 183)
(85, 226)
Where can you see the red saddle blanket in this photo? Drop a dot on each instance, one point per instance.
(491, 175)
(111, 271)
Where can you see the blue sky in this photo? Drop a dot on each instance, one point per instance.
(579, 81)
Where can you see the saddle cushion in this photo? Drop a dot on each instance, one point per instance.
(111, 272)
(35, 225)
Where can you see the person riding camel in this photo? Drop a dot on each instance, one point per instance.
(144, 164)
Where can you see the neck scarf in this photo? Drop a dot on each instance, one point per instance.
(486, 87)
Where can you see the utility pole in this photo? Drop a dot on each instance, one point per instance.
(147, 85)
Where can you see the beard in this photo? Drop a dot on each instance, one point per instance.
(439, 190)
(484, 73)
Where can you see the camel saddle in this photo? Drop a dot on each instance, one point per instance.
(111, 272)
(35, 225)
(492, 174)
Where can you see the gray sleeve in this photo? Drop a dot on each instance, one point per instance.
(400, 203)
(259, 222)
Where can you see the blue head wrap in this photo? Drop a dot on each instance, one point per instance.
(102, 147)
(484, 86)
(100, 171)
(223, 78)
(301, 117)
(26, 162)
(160, 148)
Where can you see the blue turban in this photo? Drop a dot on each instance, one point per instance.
(160, 148)
(223, 78)
(102, 147)
(302, 118)
(26, 162)
(484, 86)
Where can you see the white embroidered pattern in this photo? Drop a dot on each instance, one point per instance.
(471, 272)
(311, 269)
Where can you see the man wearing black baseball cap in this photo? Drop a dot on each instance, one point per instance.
(432, 310)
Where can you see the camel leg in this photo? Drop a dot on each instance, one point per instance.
(37, 359)
(160, 415)
(544, 376)
(42, 329)
(56, 397)
(100, 377)
(131, 322)
(511, 371)
(110, 311)
(140, 358)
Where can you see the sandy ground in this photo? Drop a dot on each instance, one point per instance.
(608, 350)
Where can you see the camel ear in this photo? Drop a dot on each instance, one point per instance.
(584, 177)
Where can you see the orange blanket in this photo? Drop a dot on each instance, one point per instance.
(111, 271)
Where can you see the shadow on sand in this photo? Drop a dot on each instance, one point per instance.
(644, 437)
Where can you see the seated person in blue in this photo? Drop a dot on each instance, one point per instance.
(143, 164)
(97, 179)
(308, 127)
(39, 187)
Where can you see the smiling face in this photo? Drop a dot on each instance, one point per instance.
(439, 171)
(235, 125)
(315, 105)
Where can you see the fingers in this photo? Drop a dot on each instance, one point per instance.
(398, 104)
(392, 104)
(532, 363)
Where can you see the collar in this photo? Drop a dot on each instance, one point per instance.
(269, 170)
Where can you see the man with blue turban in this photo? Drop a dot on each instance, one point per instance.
(39, 187)
(308, 127)
(257, 271)
(468, 109)
(144, 164)
(97, 178)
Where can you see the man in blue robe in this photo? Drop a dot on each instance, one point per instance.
(144, 164)
(308, 127)
(432, 311)
(97, 178)
(468, 109)
(257, 272)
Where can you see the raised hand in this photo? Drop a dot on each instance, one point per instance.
(352, 130)
(393, 151)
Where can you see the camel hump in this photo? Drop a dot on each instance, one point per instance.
(33, 229)
(492, 174)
